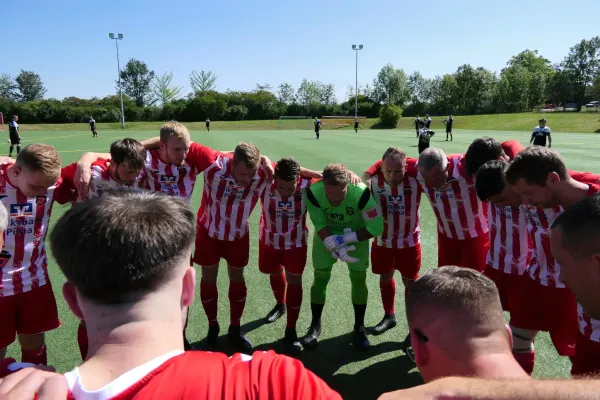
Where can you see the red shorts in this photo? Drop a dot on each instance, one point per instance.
(587, 359)
(209, 250)
(27, 313)
(506, 284)
(542, 308)
(407, 260)
(468, 253)
(271, 260)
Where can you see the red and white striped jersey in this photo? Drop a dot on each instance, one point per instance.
(283, 221)
(225, 206)
(24, 264)
(176, 180)
(510, 247)
(400, 207)
(589, 327)
(100, 179)
(459, 212)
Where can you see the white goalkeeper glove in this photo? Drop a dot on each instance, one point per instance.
(342, 254)
(338, 241)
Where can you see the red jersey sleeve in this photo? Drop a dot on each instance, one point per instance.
(65, 188)
(375, 168)
(584, 177)
(411, 168)
(512, 148)
(201, 156)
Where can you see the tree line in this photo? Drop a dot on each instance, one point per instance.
(528, 81)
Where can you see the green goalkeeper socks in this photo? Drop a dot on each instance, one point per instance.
(360, 293)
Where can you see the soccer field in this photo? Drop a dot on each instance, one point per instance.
(354, 374)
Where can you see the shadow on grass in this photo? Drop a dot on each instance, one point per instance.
(597, 131)
(379, 125)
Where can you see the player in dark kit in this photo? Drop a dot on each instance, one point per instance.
(424, 136)
(208, 124)
(448, 121)
(416, 124)
(356, 125)
(317, 126)
(13, 134)
(538, 137)
(427, 121)
(93, 127)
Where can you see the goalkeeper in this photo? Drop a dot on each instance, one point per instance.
(345, 218)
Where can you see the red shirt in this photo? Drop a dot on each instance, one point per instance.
(206, 376)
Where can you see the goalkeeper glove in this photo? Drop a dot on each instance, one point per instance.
(338, 241)
(342, 254)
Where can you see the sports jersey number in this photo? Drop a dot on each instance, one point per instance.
(337, 217)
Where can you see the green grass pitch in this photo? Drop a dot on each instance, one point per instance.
(355, 375)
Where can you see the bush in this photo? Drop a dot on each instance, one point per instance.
(389, 115)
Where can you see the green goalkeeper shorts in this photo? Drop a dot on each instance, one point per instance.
(323, 260)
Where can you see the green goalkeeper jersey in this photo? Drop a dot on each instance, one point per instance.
(356, 211)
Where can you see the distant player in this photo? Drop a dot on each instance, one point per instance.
(317, 126)
(424, 137)
(208, 124)
(92, 123)
(356, 125)
(540, 132)
(448, 122)
(416, 123)
(14, 137)
(427, 121)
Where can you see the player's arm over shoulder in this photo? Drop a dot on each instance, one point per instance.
(368, 208)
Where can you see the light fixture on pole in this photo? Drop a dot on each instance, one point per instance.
(356, 49)
(116, 39)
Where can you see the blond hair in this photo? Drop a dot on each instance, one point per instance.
(248, 154)
(336, 174)
(174, 128)
(38, 157)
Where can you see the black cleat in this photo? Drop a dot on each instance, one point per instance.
(290, 341)
(387, 323)
(360, 339)
(239, 340)
(311, 340)
(211, 337)
(276, 313)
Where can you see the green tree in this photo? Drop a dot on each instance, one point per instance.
(204, 81)
(445, 94)
(326, 93)
(286, 93)
(308, 92)
(475, 89)
(164, 91)
(136, 80)
(581, 67)
(534, 76)
(266, 87)
(390, 114)
(8, 87)
(30, 86)
(390, 86)
(512, 95)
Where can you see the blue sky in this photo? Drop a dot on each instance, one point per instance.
(274, 41)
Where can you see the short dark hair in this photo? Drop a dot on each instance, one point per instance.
(287, 169)
(123, 245)
(490, 179)
(580, 227)
(248, 154)
(482, 150)
(336, 174)
(394, 153)
(534, 164)
(128, 151)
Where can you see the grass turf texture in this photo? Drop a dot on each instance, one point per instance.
(355, 375)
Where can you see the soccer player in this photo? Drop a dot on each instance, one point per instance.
(13, 134)
(416, 123)
(424, 137)
(540, 132)
(457, 327)
(208, 124)
(397, 194)
(282, 244)
(356, 125)
(574, 240)
(140, 353)
(540, 177)
(92, 123)
(463, 238)
(345, 217)
(448, 122)
(27, 304)
(317, 126)
(485, 149)
(427, 121)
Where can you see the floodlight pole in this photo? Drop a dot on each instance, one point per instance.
(116, 38)
(356, 49)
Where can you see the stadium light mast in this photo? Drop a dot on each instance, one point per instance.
(116, 39)
(356, 49)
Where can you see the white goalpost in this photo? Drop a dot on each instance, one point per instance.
(294, 122)
(340, 122)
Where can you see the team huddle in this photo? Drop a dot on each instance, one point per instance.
(495, 206)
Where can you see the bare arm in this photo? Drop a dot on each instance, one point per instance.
(309, 173)
(549, 140)
(83, 174)
(152, 143)
(325, 233)
(366, 178)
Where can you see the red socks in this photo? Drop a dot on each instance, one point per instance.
(278, 285)
(237, 301)
(36, 356)
(82, 340)
(526, 360)
(388, 293)
(210, 299)
(293, 304)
